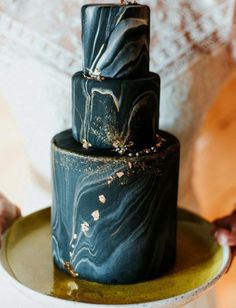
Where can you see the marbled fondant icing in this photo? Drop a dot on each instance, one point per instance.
(115, 175)
(114, 217)
(113, 112)
(115, 40)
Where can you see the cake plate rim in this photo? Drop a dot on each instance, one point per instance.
(177, 300)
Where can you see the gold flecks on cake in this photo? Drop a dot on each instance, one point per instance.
(68, 267)
(102, 199)
(85, 227)
(120, 174)
(116, 144)
(110, 180)
(160, 141)
(86, 144)
(96, 75)
(95, 215)
(130, 165)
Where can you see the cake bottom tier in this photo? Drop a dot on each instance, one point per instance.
(113, 216)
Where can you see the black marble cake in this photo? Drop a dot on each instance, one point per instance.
(115, 174)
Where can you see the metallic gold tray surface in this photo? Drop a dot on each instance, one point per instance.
(26, 257)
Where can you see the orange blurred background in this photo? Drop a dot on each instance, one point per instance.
(214, 172)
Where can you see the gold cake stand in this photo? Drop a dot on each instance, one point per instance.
(26, 259)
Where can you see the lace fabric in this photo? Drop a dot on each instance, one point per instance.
(181, 30)
(40, 49)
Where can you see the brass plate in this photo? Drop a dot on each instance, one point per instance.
(27, 257)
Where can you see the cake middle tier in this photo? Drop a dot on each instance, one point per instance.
(115, 112)
(114, 217)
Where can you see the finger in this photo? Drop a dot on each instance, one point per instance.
(226, 221)
(226, 237)
(2, 229)
(3, 225)
(8, 211)
(17, 212)
(233, 250)
(226, 218)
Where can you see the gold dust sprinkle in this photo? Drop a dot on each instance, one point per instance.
(120, 174)
(116, 144)
(95, 215)
(96, 75)
(102, 199)
(86, 144)
(110, 180)
(68, 267)
(85, 227)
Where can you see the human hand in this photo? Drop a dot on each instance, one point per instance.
(225, 231)
(8, 213)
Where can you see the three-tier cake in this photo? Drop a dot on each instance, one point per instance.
(115, 174)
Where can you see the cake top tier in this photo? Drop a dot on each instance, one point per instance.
(115, 40)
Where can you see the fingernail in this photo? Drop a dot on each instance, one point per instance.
(18, 212)
(222, 239)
